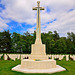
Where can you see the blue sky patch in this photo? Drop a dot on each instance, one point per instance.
(51, 21)
(18, 27)
(70, 10)
(48, 10)
(2, 7)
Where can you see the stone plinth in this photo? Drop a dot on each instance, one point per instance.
(38, 49)
(38, 52)
(42, 64)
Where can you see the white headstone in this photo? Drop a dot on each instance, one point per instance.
(74, 57)
(5, 57)
(67, 57)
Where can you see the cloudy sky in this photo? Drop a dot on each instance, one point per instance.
(18, 16)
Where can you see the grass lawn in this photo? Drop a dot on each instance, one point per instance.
(5, 68)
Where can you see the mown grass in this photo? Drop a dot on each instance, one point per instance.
(5, 68)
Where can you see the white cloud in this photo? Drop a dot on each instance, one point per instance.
(65, 23)
(21, 11)
(3, 24)
(31, 30)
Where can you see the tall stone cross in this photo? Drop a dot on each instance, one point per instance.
(38, 27)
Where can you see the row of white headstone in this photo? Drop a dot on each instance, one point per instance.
(26, 56)
(15, 56)
(59, 57)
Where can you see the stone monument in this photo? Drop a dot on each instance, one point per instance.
(38, 62)
(38, 49)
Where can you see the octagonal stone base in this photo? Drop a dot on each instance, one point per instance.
(44, 66)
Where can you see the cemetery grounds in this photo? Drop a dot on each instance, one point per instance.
(7, 65)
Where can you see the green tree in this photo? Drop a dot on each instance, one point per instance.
(60, 46)
(14, 41)
(5, 41)
(70, 43)
(56, 36)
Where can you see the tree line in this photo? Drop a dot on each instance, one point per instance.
(17, 43)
